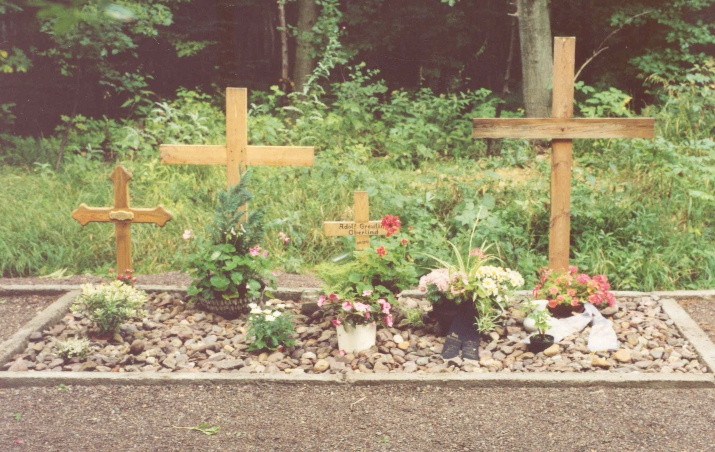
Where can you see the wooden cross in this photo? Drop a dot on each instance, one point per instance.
(122, 216)
(236, 154)
(562, 128)
(362, 228)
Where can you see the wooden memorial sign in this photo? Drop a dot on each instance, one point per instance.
(362, 228)
(122, 216)
(562, 128)
(236, 154)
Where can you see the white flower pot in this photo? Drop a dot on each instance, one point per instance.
(356, 339)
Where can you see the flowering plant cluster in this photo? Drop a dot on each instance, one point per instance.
(572, 288)
(270, 327)
(109, 305)
(469, 279)
(231, 264)
(127, 277)
(358, 310)
(373, 279)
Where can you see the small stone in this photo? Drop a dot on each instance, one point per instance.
(409, 367)
(457, 361)
(309, 356)
(36, 336)
(380, 367)
(137, 347)
(657, 353)
(554, 350)
(644, 364)
(404, 345)
(321, 365)
(632, 339)
(397, 339)
(275, 357)
(228, 364)
(597, 361)
(609, 310)
(422, 361)
(623, 355)
(19, 366)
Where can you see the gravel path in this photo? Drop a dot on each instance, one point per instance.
(385, 417)
(18, 310)
(703, 312)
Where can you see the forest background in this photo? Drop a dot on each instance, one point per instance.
(384, 90)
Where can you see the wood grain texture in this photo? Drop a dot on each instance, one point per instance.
(280, 156)
(362, 228)
(236, 133)
(192, 154)
(561, 158)
(561, 128)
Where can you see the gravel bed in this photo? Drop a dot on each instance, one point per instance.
(175, 337)
(344, 417)
(15, 311)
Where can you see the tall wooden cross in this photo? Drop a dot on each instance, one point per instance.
(236, 154)
(362, 228)
(562, 128)
(122, 216)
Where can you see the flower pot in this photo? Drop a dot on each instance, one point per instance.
(356, 339)
(538, 343)
(228, 309)
(565, 310)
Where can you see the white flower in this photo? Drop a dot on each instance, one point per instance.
(256, 311)
(252, 305)
(281, 306)
(270, 318)
(188, 235)
(276, 314)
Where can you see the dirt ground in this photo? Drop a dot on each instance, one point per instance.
(380, 417)
(16, 311)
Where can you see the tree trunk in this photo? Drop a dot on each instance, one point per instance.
(304, 62)
(536, 55)
(285, 76)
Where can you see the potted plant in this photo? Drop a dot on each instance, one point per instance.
(488, 289)
(566, 292)
(540, 341)
(366, 295)
(230, 269)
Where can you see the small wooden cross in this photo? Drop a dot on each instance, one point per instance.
(562, 128)
(122, 216)
(236, 154)
(362, 228)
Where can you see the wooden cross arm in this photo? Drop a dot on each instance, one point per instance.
(563, 128)
(157, 215)
(187, 154)
(343, 228)
(84, 214)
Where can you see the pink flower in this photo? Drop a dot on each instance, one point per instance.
(535, 292)
(361, 307)
(611, 299)
(347, 306)
(341, 352)
(571, 292)
(367, 315)
(321, 301)
(476, 252)
(283, 237)
(553, 290)
(553, 303)
(255, 251)
(573, 269)
(583, 278)
(332, 297)
(388, 320)
(336, 322)
(404, 242)
(366, 293)
(391, 224)
(265, 254)
(381, 251)
(385, 305)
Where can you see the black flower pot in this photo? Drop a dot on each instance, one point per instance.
(539, 343)
(446, 311)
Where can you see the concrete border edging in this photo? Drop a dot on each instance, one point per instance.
(49, 316)
(470, 380)
(691, 331)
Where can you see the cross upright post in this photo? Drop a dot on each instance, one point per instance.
(236, 154)
(362, 228)
(122, 216)
(562, 128)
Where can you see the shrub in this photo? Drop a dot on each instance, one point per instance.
(109, 305)
(73, 347)
(270, 327)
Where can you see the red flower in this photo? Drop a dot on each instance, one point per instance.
(381, 251)
(403, 242)
(391, 224)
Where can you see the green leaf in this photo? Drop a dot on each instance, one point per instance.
(220, 282)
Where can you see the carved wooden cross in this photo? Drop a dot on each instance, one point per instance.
(236, 154)
(562, 128)
(362, 228)
(122, 216)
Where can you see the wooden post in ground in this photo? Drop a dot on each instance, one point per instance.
(562, 128)
(236, 154)
(362, 228)
(122, 216)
